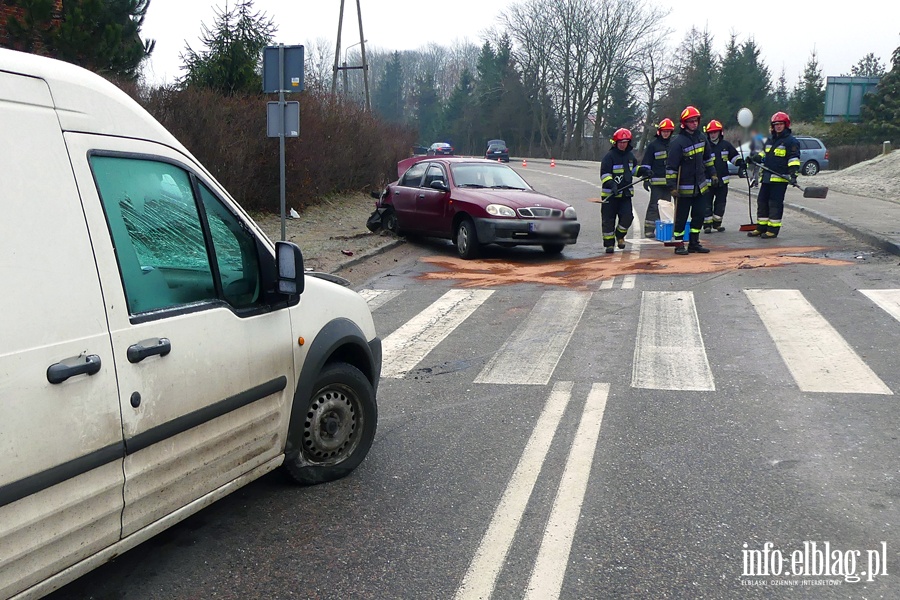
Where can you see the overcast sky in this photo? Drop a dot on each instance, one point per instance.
(787, 32)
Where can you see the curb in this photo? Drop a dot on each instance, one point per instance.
(367, 255)
(879, 241)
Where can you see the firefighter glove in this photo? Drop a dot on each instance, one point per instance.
(793, 179)
(673, 193)
(647, 184)
(613, 188)
(715, 181)
(644, 172)
(742, 172)
(739, 162)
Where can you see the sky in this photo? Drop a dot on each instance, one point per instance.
(841, 33)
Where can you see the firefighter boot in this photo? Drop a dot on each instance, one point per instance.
(760, 229)
(717, 225)
(610, 249)
(620, 242)
(694, 244)
(680, 249)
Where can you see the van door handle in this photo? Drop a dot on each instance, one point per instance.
(138, 352)
(59, 372)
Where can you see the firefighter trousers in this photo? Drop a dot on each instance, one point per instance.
(695, 208)
(616, 208)
(770, 207)
(716, 197)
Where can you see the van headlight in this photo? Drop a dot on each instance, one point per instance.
(499, 210)
(570, 213)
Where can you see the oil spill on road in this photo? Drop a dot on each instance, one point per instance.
(580, 273)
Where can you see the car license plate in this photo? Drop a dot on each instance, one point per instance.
(545, 226)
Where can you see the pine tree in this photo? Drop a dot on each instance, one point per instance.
(868, 66)
(388, 99)
(459, 115)
(623, 109)
(100, 35)
(808, 101)
(428, 110)
(881, 109)
(230, 61)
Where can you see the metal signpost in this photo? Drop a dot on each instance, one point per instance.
(282, 73)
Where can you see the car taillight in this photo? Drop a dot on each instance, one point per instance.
(826, 155)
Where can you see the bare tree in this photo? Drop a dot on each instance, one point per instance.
(319, 55)
(653, 70)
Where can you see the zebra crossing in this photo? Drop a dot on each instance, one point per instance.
(669, 349)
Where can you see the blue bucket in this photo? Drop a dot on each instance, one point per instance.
(665, 231)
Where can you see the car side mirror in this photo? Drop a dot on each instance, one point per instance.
(440, 184)
(289, 263)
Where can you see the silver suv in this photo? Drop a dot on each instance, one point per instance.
(813, 155)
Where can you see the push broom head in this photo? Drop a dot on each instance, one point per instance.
(748, 227)
(815, 192)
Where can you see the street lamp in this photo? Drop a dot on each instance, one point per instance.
(346, 50)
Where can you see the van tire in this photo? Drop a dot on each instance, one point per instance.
(338, 426)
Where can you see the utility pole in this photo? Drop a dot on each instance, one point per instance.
(344, 68)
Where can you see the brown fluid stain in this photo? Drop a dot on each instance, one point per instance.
(578, 273)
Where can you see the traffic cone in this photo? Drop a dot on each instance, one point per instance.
(552, 162)
(524, 163)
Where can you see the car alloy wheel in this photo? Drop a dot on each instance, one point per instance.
(810, 168)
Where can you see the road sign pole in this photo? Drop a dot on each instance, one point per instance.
(281, 135)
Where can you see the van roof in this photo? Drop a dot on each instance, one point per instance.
(86, 102)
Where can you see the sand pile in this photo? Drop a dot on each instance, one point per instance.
(876, 178)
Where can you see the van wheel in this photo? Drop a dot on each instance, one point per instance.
(811, 167)
(390, 222)
(467, 240)
(553, 248)
(338, 428)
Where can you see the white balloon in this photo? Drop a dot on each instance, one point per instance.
(745, 117)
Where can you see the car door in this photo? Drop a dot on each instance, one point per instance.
(405, 196)
(60, 430)
(204, 365)
(431, 204)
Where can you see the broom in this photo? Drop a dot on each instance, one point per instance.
(751, 226)
(808, 192)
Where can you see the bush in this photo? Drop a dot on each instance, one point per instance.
(341, 147)
(841, 157)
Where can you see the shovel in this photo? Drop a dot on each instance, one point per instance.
(630, 185)
(808, 192)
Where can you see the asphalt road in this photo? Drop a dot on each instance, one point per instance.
(634, 426)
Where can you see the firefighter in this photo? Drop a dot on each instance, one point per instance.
(689, 172)
(616, 172)
(655, 160)
(782, 156)
(723, 152)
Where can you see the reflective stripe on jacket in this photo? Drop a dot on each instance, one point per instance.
(655, 156)
(689, 154)
(618, 166)
(782, 155)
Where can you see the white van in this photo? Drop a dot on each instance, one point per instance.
(157, 351)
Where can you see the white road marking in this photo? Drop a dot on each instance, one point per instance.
(887, 300)
(819, 359)
(628, 282)
(532, 352)
(482, 574)
(607, 284)
(403, 349)
(553, 556)
(378, 298)
(669, 352)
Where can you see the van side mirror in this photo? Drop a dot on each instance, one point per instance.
(440, 184)
(289, 263)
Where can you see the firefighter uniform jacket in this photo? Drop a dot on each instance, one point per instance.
(619, 167)
(782, 155)
(723, 153)
(689, 164)
(655, 156)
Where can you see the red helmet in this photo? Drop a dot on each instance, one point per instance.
(714, 126)
(621, 134)
(781, 117)
(689, 113)
(665, 125)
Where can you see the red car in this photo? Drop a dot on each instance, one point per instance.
(473, 202)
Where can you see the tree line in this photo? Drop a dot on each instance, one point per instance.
(552, 77)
